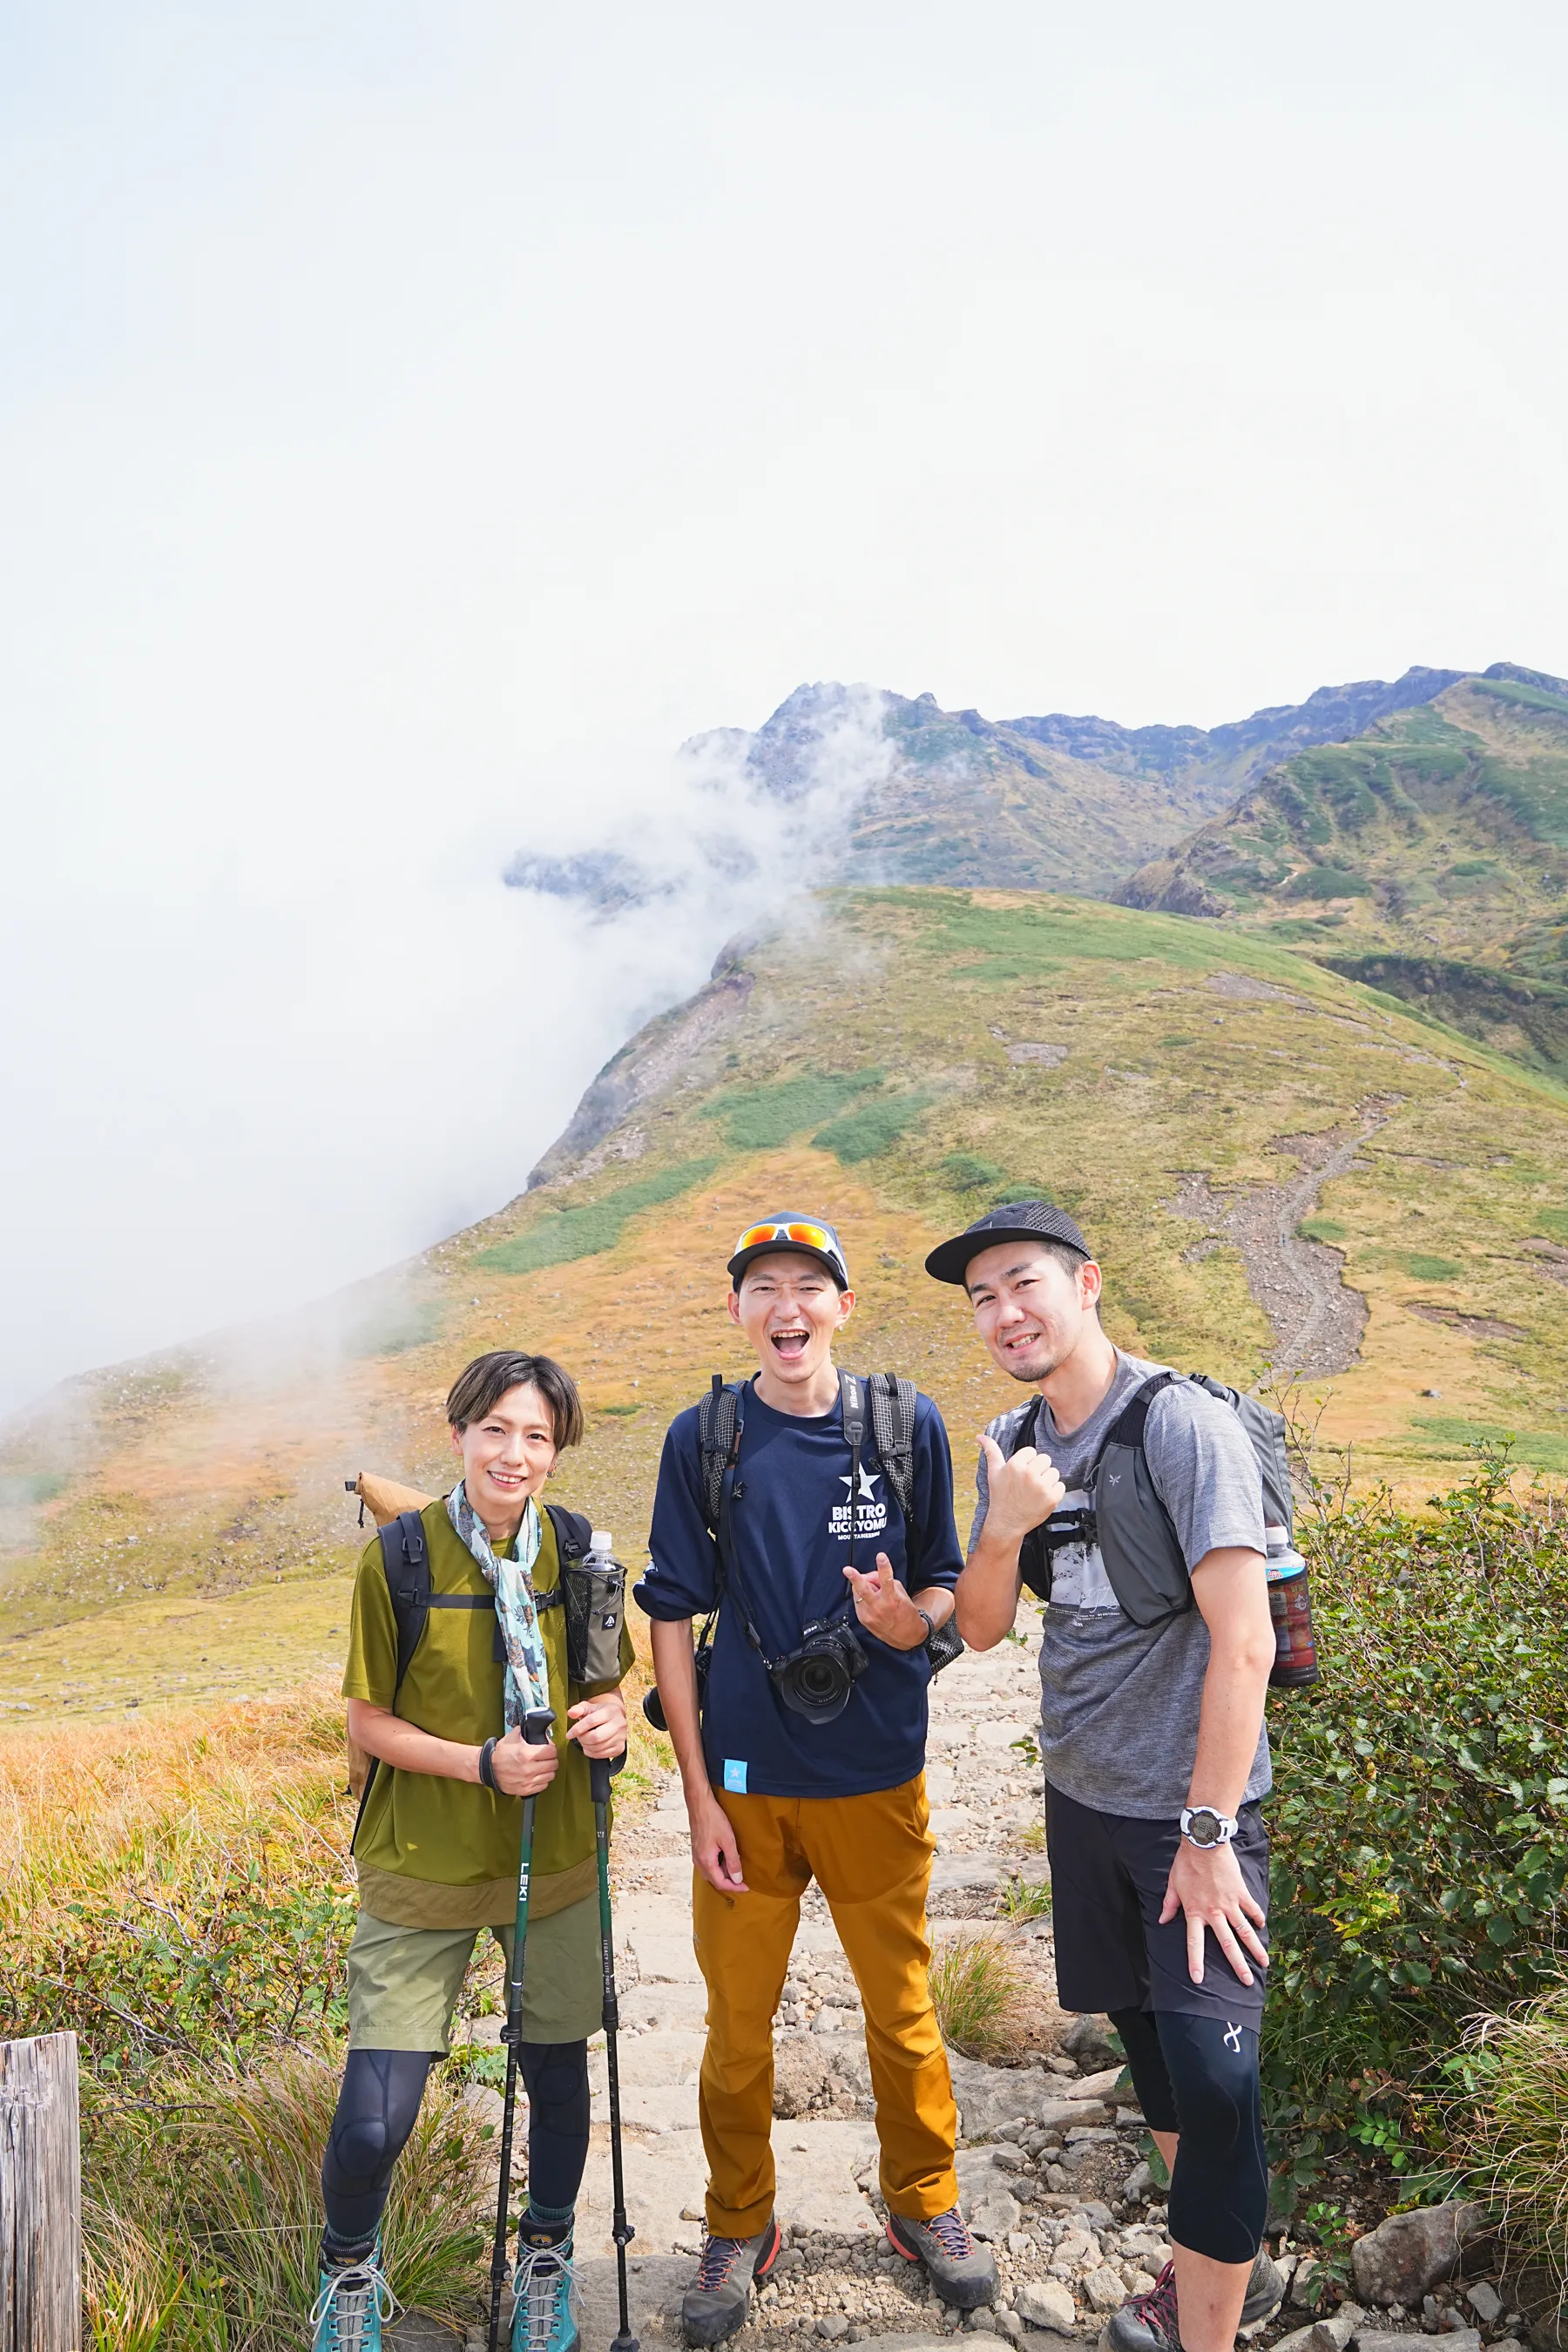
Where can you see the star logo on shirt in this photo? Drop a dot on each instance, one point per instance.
(868, 1485)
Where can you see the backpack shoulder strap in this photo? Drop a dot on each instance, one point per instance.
(406, 1559)
(573, 1541)
(893, 1403)
(1026, 1430)
(719, 1438)
(1127, 1429)
(573, 1533)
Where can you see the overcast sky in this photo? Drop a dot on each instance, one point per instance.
(415, 419)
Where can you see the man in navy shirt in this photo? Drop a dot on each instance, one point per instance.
(777, 1797)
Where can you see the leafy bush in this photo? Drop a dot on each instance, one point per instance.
(759, 1119)
(965, 1173)
(562, 1234)
(1420, 1819)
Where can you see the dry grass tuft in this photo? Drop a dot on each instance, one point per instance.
(1510, 2132)
(982, 1995)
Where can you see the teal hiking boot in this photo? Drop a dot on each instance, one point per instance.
(545, 2309)
(354, 2299)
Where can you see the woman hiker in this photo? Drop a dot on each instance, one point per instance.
(439, 1839)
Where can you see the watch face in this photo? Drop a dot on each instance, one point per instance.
(1203, 1827)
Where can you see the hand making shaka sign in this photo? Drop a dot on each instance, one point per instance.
(1023, 1490)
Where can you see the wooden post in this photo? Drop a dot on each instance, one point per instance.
(40, 2196)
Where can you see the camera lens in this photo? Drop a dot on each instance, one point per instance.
(817, 1680)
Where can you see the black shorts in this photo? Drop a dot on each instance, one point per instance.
(1108, 1883)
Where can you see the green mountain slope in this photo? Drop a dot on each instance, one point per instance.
(1278, 1166)
(1429, 856)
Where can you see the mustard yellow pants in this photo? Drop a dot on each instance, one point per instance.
(871, 1857)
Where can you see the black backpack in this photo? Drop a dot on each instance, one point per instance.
(1126, 1517)
(891, 1402)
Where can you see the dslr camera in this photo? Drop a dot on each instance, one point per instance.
(816, 1679)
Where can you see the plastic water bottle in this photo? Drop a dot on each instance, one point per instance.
(1290, 1607)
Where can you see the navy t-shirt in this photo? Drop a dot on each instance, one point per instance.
(790, 1521)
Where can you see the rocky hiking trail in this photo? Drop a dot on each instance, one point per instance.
(1050, 2160)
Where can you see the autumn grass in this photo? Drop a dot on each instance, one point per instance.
(179, 1894)
(205, 2209)
(980, 1993)
(1510, 2122)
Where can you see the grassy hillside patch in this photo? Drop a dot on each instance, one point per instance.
(863, 1134)
(562, 1234)
(1539, 1449)
(759, 1119)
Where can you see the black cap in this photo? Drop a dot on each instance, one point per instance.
(1015, 1220)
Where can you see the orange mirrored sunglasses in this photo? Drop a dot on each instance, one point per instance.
(809, 1237)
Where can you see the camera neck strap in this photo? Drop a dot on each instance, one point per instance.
(726, 1423)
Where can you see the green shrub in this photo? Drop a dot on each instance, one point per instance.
(1431, 1269)
(759, 1119)
(1322, 1229)
(562, 1234)
(862, 1134)
(1420, 1819)
(965, 1173)
(1328, 882)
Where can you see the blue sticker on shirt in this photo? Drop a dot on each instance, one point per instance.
(735, 1774)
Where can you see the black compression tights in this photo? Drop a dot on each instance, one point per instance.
(1197, 2076)
(375, 2112)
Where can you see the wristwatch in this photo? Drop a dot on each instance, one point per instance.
(1204, 1828)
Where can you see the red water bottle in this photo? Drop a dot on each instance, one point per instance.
(1290, 1607)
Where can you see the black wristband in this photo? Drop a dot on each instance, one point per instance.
(924, 1616)
(488, 1766)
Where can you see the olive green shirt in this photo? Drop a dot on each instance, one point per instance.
(434, 1853)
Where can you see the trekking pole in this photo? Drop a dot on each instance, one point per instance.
(536, 1726)
(599, 1770)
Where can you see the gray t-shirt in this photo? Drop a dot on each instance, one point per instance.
(1119, 1702)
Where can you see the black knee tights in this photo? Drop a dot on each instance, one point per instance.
(376, 2110)
(1197, 2076)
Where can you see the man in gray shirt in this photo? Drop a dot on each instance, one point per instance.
(1132, 1502)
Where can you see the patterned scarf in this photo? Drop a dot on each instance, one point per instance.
(511, 1580)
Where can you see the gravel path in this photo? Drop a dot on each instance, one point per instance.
(1318, 1320)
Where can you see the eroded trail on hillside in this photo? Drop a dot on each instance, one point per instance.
(1318, 1319)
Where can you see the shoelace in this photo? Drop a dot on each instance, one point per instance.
(719, 2257)
(363, 2285)
(950, 2232)
(1159, 2306)
(538, 2277)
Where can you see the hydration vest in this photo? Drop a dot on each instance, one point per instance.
(1144, 1563)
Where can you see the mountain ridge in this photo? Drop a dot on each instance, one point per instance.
(1053, 801)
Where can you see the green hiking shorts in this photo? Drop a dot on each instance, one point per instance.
(403, 1982)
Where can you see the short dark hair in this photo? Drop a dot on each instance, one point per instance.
(480, 1386)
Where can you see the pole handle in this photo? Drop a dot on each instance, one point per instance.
(600, 1769)
(536, 1726)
